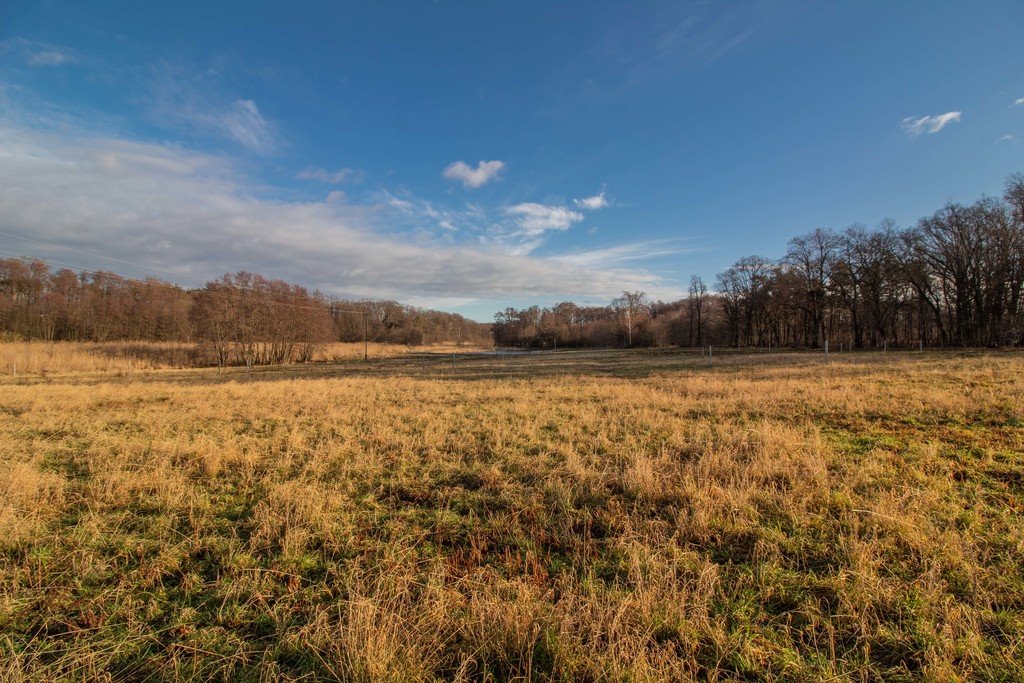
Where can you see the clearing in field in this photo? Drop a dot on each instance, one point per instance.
(560, 516)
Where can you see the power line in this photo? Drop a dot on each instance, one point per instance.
(84, 253)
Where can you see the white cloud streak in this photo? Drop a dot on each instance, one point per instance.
(37, 54)
(472, 178)
(342, 175)
(914, 127)
(598, 201)
(1019, 101)
(536, 219)
(196, 102)
(49, 58)
(244, 123)
(637, 251)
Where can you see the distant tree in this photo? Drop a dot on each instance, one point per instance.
(812, 258)
(255, 321)
(871, 284)
(698, 293)
(630, 309)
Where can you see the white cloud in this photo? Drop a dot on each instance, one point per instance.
(342, 175)
(929, 124)
(649, 46)
(423, 217)
(1019, 101)
(485, 172)
(49, 58)
(243, 122)
(598, 201)
(536, 219)
(515, 230)
(165, 207)
(35, 53)
(196, 102)
(637, 251)
(410, 205)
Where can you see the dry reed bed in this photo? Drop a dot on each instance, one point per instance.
(36, 357)
(856, 522)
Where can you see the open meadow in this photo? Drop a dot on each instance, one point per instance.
(578, 515)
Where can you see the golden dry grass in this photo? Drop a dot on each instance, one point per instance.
(349, 350)
(36, 357)
(782, 521)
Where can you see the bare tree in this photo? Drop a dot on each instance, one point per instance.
(697, 295)
(812, 257)
(630, 307)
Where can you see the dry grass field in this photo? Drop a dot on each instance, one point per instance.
(584, 516)
(36, 357)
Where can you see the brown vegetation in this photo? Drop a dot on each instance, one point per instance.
(240, 319)
(956, 278)
(767, 518)
(33, 358)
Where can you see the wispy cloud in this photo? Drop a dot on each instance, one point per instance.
(342, 175)
(598, 201)
(198, 102)
(244, 123)
(517, 229)
(1009, 137)
(914, 127)
(472, 178)
(38, 54)
(468, 221)
(1019, 101)
(637, 251)
(415, 207)
(534, 219)
(645, 46)
(719, 50)
(49, 58)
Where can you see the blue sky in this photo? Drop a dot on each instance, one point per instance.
(473, 155)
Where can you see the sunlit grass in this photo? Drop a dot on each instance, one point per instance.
(767, 519)
(36, 357)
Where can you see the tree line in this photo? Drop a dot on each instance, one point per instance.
(242, 318)
(955, 278)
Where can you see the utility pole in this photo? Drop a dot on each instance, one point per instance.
(366, 337)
